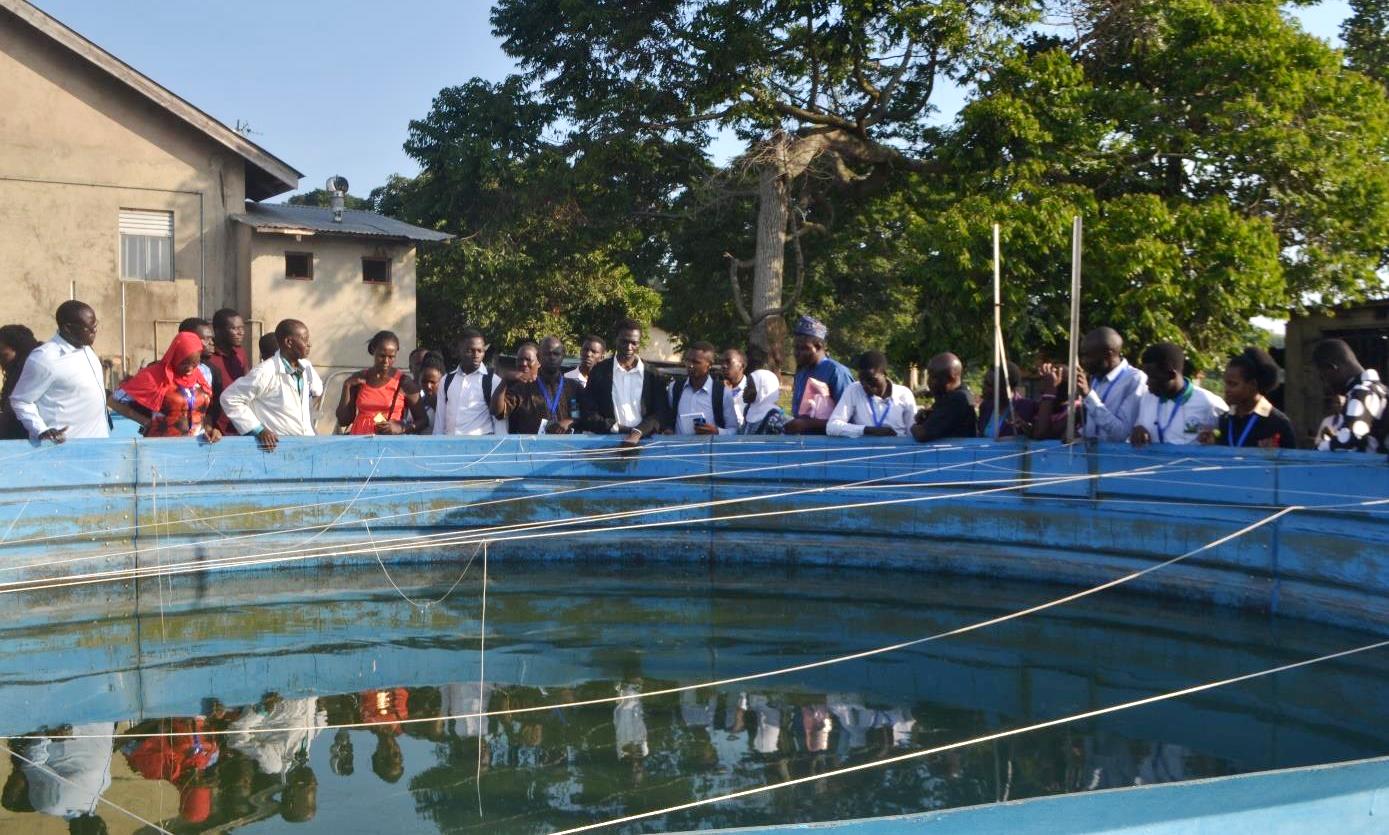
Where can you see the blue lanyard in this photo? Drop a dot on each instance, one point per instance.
(1104, 398)
(995, 428)
(1177, 405)
(551, 403)
(1253, 419)
(191, 395)
(887, 410)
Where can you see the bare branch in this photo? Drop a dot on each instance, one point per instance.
(733, 265)
(885, 99)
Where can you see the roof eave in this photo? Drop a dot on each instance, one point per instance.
(272, 176)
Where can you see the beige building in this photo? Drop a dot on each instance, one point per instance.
(115, 191)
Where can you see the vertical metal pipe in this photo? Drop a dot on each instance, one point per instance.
(1072, 356)
(998, 340)
(125, 358)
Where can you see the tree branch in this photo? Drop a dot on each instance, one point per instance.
(733, 265)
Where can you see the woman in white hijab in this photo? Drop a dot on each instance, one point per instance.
(763, 415)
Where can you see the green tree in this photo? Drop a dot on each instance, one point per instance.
(321, 198)
(536, 253)
(1366, 33)
(1226, 164)
(826, 95)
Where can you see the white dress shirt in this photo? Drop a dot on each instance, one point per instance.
(61, 386)
(1111, 406)
(734, 408)
(68, 776)
(463, 409)
(272, 396)
(858, 409)
(627, 392)
(272, 739)
(1179, 421)
(577, 376)
(695, 403)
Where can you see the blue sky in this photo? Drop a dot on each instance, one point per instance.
(330, 87)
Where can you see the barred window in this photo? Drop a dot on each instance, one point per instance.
(147, 245)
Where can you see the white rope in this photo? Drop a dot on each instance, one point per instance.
(855, 656)
(425, 605)
(607, 485)
(525, 531)
(914, 755)
(124, 811)
(481, 670)
(490, 502)
(528, 531)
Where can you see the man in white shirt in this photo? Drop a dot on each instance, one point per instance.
(591, 353)
(698, 402)
(61, 393)
(874, 405)
(735, 382)
(1173, 410)
(67, 776)
(623, 396)
(465, 394)
(1111, 388)
(275, 398)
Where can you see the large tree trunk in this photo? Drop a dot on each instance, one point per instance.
(769, 263)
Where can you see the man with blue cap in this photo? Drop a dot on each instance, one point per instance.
(812, 363)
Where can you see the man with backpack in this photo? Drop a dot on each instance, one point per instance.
(464, 398)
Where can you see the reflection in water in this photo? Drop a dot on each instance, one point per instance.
(260, 766)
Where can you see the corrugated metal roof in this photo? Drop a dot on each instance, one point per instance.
(279, 216)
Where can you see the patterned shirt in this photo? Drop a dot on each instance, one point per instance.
(1362, 425)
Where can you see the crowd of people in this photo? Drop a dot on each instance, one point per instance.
(205, 386)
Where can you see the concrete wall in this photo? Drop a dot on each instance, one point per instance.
(1366, 327)
(341, 310)
(75, 148)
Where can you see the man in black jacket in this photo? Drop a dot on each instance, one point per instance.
(623, 396)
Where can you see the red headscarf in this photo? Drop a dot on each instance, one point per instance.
(149, 386)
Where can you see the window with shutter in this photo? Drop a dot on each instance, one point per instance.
(147, 245)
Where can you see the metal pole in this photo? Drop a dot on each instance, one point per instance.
(125, 361)
(998, 340)
(1072, 357)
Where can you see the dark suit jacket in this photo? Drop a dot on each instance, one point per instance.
(596, 405)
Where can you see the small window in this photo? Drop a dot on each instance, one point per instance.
(376, 270)
(299, 265)
(147, 245)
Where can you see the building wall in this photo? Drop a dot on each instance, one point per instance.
(1365, 327)
(341, 310)
(76, 147)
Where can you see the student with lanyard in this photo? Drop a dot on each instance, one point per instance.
(375, 401)
(274, 399)
(170, 398)
(1173, 410)
(537, 398)
(1252, 420)
(874, 406)
(1109, 388)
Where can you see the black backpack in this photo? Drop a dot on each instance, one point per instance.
(719, 390)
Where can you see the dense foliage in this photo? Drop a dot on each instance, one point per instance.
(1227, 165)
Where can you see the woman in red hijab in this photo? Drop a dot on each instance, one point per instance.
(169, 398)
